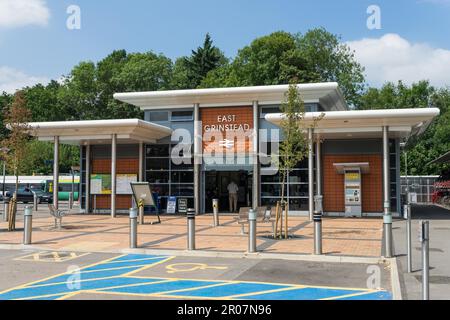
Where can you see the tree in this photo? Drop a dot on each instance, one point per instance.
(16, 118)
(190, 71)
(316, 56)
(435, 140)
(294, 146)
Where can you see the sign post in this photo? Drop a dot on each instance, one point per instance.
(143, 196)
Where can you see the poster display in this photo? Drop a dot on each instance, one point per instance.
(171, 205)
(101, 183)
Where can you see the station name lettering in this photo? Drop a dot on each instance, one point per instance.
(226, 123)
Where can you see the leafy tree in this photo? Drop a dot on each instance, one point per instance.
(16, 117)
(435, 140)
(190, 71)
(316, 56)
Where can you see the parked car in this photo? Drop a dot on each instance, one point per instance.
(26, 195)
(43, 196)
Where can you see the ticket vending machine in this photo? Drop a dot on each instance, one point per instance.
(352, 186)
(352, 191)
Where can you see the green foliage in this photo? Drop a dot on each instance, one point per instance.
(436, 139)
(316, 56)
(190, 71)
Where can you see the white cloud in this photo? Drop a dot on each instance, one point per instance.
(12, 79)
(393, 58)
(19, 13)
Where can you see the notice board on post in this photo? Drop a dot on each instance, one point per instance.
(101, 183)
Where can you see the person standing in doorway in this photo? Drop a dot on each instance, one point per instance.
(232, 195)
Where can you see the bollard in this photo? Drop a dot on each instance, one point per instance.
(407, 214)
(215, 204)
(425, 238)
(27, 224)
(70, 200)
(35, 201)
(387, 229)
(133, 228)
(191, 228)
(317, 218)
(5, 209)
(251, 231)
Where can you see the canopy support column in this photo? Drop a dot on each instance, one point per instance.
(197, 158)
(318, 168)
(256, 166)
(387, 217)
(88, 180)
(141, 161)
(56, 171)
(113, 174)
(310, 174)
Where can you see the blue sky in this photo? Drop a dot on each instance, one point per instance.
(35, 44)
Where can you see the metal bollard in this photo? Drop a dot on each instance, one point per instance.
(133, 228)
(317, 218)
(425, 238)
(27, 224)
(141, 214)
(387, 228)
(5, 209)
(215, 204)
(35, 201)
(70, 200)
(191, 228)
(407, 214)
(251, 231)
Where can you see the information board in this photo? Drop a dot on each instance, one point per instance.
(182, 205)
(171, 205)
(101, 183)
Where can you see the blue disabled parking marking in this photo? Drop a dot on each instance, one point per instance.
(163, 287)
(231, 289)
(307, 293)
(113, 276)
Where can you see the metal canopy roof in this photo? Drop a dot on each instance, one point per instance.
(366, 123)
(99, 131)
(327, 94)
(341, 167)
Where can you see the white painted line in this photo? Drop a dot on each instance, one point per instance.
(395, 280)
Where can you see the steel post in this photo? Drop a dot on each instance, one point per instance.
(27, 224)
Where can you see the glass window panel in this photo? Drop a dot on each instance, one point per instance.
(161, 189)
(271, 190)
(182, 116)
(182, 176)
(159, 116)
(157, 150)
(298, 176)
(185, 190)
(158, 176)
(157, 164)
(298, 190)
(298, 204)
(272, 202)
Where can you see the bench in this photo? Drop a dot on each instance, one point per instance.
(263, 215)
(57, 214)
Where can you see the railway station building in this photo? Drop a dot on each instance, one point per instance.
(191, 143)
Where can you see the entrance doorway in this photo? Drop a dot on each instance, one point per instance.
(216, 183)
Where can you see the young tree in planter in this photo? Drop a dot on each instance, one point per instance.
(16, 119)
(294, 145)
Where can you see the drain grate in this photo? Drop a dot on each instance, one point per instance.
(291, 236)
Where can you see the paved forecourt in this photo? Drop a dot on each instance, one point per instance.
(69, 275)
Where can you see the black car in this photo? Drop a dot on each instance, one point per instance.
(43, 196)
(26, 195)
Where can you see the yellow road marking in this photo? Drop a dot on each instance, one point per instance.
(349, 295)
(58, 275)
(242, 295)
(55, 256)
(178, 267)
(197, 288)
(147, 267)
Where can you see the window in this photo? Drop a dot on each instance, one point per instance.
(182, 116)
(159, 116)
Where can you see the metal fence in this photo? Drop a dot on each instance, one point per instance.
(423, 186)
